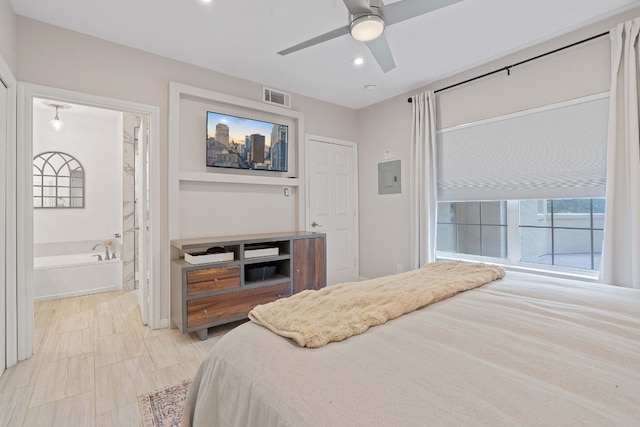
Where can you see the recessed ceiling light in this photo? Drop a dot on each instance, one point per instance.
(370, 88)
(358, 60)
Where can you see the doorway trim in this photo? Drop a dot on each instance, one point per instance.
(10, 335)
(354, 147)
(24, 251)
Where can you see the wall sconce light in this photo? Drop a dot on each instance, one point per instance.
(56, 123)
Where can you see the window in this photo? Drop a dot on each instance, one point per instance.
(557, 233)
(58, 181)
(526, 188)
(475, 228)
(565, 233)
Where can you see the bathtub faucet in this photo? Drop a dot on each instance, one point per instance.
(106, 251)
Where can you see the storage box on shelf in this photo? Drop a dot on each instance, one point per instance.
(255, 251)
(213, 293)
(205, 257)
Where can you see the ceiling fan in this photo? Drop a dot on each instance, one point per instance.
(367, 21)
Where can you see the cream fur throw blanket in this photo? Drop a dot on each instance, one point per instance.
(335, 313)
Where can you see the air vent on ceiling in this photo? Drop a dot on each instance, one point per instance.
(276, 97)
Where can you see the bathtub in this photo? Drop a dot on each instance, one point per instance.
(67, 275)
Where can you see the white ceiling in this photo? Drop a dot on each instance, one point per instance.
(241, 38)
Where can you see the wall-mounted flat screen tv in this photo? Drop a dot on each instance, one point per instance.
(242, 143)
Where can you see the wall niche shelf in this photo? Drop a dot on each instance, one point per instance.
(238, 179)
(213, 293)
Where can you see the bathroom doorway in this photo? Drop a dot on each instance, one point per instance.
(28, 95)
(83, 159)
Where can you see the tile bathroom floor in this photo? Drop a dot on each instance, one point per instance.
(92, 358)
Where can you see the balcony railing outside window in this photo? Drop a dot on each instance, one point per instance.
(558, 233)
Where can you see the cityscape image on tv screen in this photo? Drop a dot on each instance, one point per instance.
(241, 143)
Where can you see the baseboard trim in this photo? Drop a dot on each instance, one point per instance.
(77, 293)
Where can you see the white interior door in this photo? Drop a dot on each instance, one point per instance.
(3, 240)
(142, 207)
(333, 201)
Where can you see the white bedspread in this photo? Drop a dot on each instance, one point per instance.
(514, 352)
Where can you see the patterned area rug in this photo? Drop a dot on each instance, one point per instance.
(163, 408)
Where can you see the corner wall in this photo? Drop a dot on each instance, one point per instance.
(385, 219)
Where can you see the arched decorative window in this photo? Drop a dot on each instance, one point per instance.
(58, 181)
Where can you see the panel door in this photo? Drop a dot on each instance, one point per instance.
(333, 206)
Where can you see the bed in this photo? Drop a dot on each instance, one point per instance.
(523, 350)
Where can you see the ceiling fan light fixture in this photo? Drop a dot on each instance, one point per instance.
(368, 26)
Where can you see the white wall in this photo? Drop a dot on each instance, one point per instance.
(52, 56)
(8, 34)
(576, 72)
(216, 209)
(384, 219)
(94, 137)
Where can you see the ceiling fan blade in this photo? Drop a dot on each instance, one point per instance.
(381, 51)
(357, 6)
(316, 40)
(407, 9)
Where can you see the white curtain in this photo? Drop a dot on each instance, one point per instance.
(621, 248)
(423, 180)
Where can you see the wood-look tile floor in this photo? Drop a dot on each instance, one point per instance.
(92, 358)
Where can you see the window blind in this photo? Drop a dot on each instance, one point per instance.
(557, 151)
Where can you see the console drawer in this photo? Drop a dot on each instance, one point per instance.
(216, 308)
(213, 279)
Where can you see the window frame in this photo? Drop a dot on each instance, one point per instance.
(512, 260)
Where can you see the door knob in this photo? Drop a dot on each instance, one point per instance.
(315, 224)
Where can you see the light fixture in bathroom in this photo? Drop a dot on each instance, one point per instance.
(56, 123)
(358, 60)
